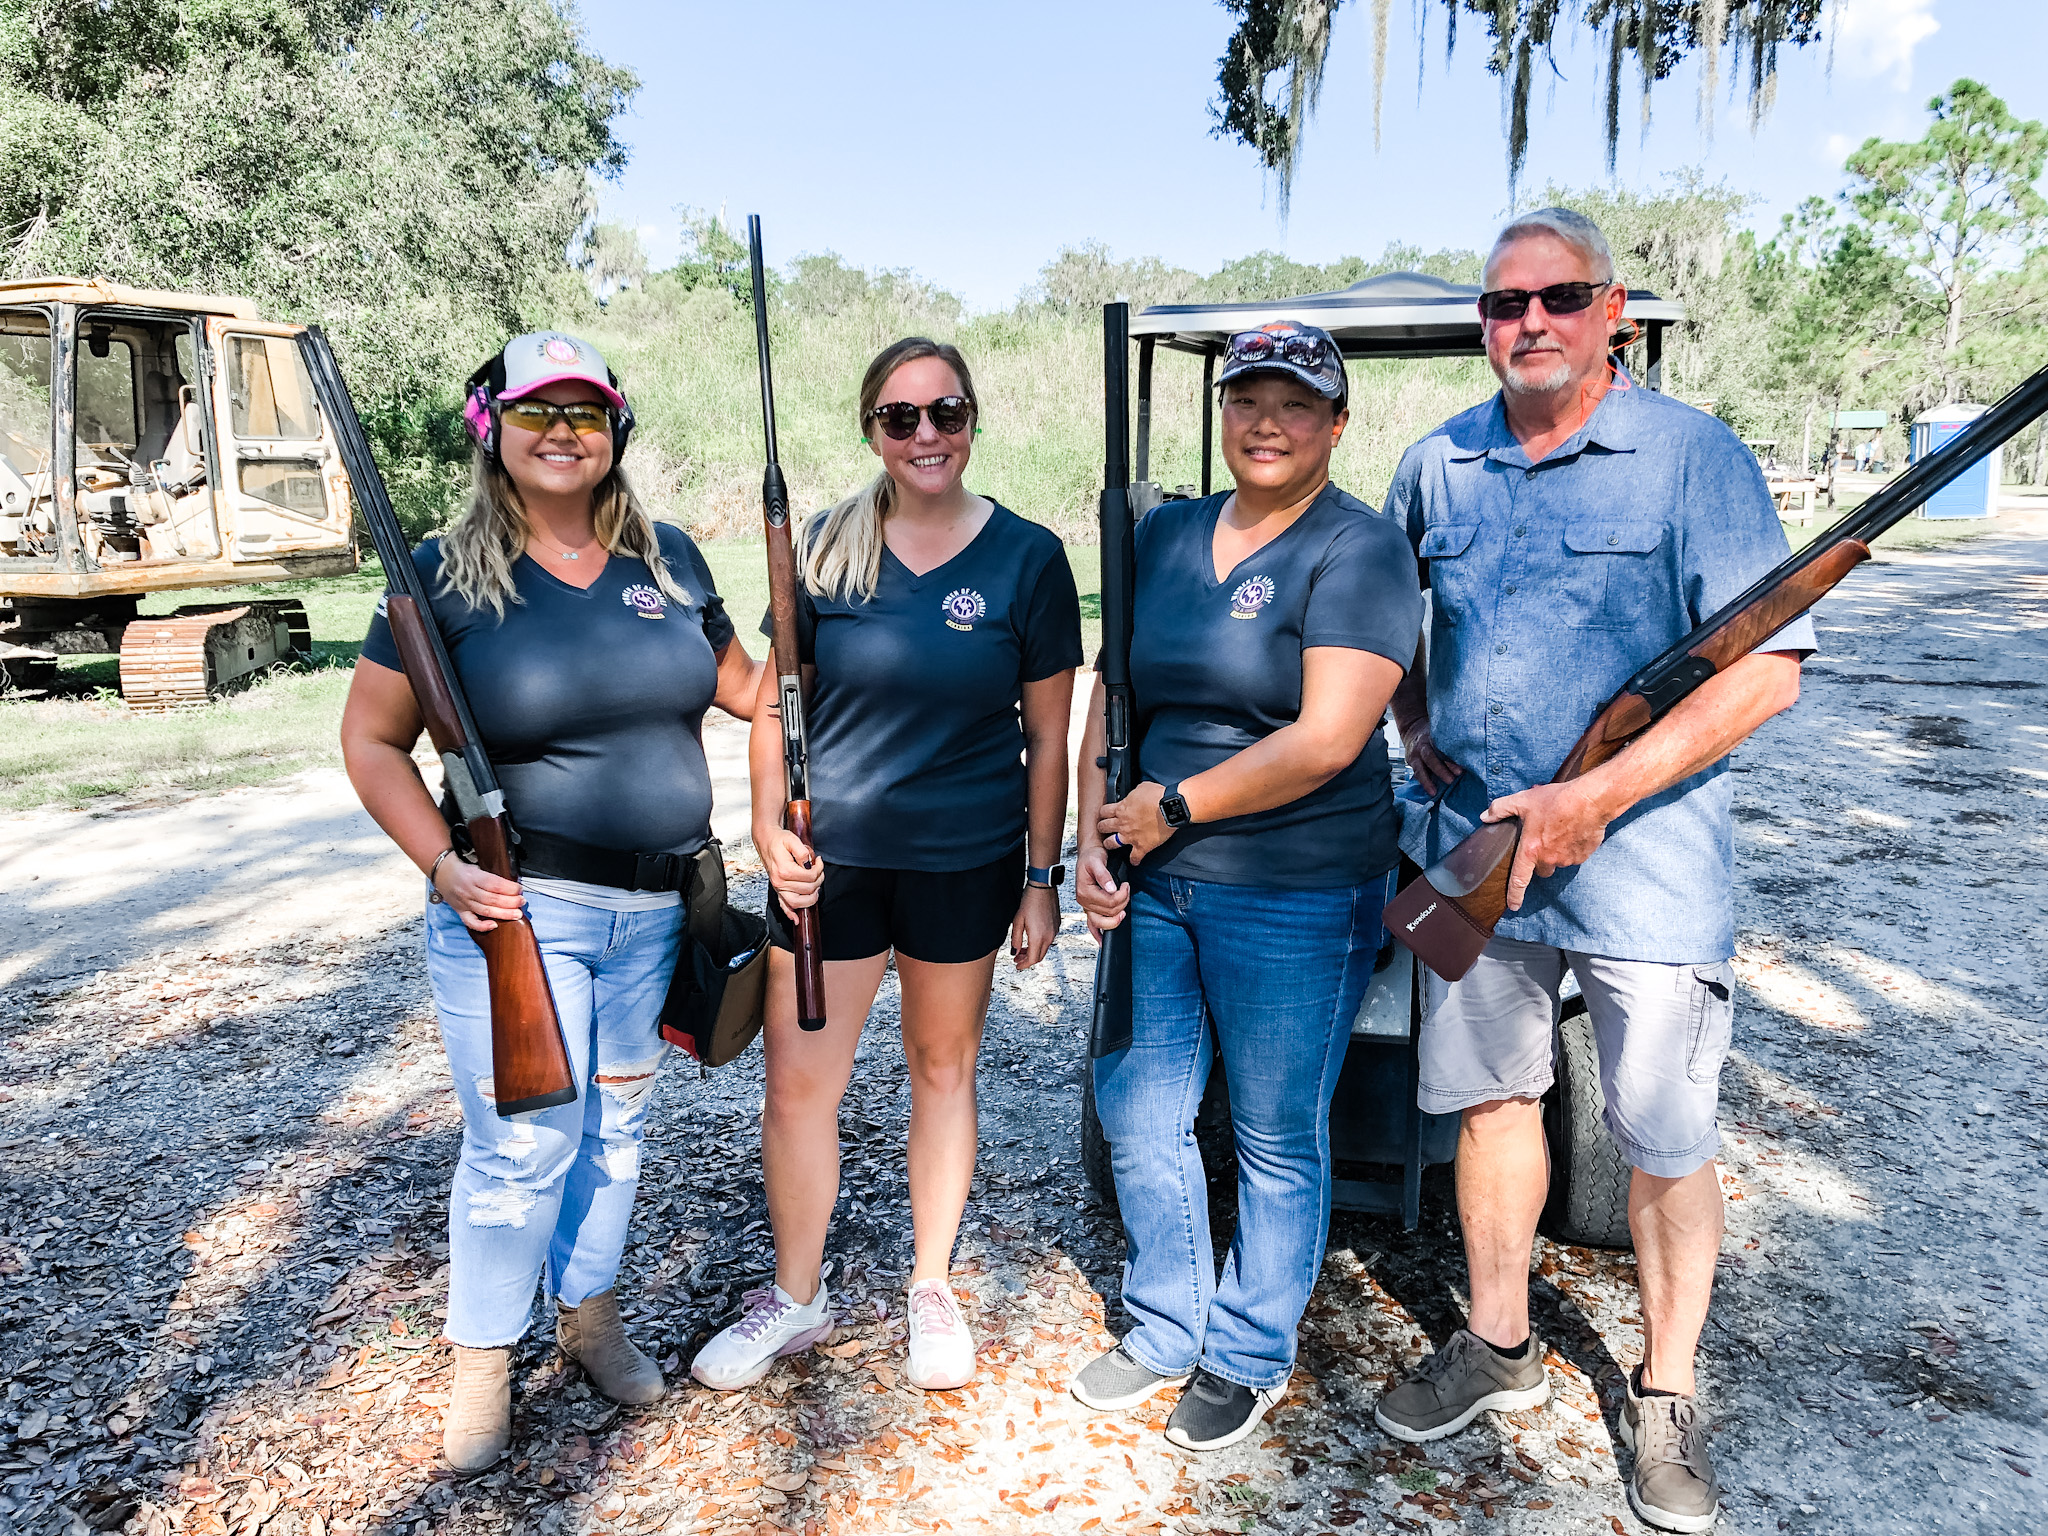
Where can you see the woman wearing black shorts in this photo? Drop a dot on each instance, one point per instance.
(940, 633)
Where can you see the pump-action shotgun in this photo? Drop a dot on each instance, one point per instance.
(789, 692)
(1448, 915)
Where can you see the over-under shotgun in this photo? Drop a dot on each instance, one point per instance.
(796, 752)
(1110, 1025)
(1448, 915)
(529, 1062)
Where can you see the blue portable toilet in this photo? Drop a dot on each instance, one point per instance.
(1974, 493)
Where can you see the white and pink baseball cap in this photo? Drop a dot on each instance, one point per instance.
(533, 362)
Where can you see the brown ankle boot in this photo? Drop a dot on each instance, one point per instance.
(593, 1336)
(477, 1426)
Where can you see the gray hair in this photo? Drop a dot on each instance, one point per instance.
(1574, 229)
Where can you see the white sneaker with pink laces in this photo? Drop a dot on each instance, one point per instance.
(771, 1325)
(941, 1348)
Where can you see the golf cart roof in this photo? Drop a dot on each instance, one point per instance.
(1397, 314)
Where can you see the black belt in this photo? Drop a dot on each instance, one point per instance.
(562, 858)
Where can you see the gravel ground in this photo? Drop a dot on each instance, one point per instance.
(227, 1133)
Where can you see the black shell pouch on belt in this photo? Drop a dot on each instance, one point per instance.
(715, 999)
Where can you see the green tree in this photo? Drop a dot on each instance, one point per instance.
(411, 175)
(1960, 207)
(611, 259)
(1271, 72)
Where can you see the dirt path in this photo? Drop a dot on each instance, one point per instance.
(225, 1135)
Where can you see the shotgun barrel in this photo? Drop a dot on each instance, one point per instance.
(529, 1059)
(1110, 1023)
(1447, 916)
(782, 598)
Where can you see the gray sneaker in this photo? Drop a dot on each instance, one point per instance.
(1114, 1381)
(1672, 1487)
(1452, 1387)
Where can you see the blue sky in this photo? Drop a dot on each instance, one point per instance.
(969, 141)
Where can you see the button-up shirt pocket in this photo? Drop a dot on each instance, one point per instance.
(1611, 576)
(1453, 581)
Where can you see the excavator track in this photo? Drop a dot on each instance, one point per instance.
(196, 652)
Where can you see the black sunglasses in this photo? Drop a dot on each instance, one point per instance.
(950, 414)
(1558, 299)
(1263, 346)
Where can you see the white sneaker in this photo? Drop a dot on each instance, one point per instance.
(771, 1326)
(941, 1348)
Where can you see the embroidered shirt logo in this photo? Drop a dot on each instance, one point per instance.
(646, 601)
(1250, 597)
(962, 607)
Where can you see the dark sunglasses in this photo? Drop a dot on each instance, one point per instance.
(950, 414)
(1558, 299)
(1264, 346)
(585, 418)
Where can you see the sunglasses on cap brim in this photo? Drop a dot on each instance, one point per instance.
(950, 415)
(1558, 299)
(1267, 346)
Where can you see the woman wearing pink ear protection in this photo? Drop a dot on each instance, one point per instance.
(589, 640)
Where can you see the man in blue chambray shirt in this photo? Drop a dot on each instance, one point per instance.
(1570, 529)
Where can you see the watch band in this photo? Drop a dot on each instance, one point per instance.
(1173, 807)
(1050, 878)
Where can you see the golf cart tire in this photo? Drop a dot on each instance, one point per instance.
(1094, 1145)
(1589, 1177)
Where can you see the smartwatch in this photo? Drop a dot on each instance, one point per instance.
(1173, 808)
(1049, 878)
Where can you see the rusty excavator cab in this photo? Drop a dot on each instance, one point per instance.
(156, 442)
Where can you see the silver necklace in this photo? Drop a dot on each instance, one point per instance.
(565, 552)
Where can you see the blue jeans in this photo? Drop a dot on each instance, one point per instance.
(1281, 974)
(523, 1196)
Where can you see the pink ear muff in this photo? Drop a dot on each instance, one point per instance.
(476, 410)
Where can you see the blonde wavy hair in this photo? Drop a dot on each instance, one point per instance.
(839, 550)
(479, 548)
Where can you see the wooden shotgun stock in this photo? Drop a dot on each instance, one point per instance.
(529, 1062)
(1448, 915)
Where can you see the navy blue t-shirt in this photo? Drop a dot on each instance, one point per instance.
(590, 703)
(1216, 666)
(915, 730)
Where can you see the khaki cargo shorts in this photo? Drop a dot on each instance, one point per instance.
(1662, 1031)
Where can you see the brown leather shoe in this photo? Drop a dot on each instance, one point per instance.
(477, 1426)
(594, 1337)
(1672, 1487)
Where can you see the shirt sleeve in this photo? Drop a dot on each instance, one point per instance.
(718, 626)
(378, 646)
(806, 624)
(1404, 505)
(1733, 537)
(1364, 596)
(1052, 620)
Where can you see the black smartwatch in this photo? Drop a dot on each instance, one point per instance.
(1173, 808)
(1049, 878)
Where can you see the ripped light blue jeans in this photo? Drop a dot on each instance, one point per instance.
(553, 1188)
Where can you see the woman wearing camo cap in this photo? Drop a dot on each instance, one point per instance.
(1271, 625)
(589, 641)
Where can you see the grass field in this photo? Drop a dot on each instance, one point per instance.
(82, 743)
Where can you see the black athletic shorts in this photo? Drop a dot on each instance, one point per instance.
(942, 919)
